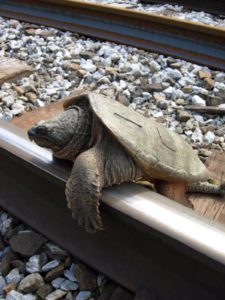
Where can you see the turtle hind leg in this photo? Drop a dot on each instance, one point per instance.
(105, 164)
(175, 190)
(207, 188)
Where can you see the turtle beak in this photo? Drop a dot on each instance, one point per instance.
(36, 132)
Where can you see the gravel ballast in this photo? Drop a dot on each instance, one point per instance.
(170, 10)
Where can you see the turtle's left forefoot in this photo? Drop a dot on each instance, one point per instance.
(86, 213)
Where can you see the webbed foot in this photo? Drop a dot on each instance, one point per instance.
(83, 190)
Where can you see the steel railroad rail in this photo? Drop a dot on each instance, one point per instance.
(214, 7)
(149, 241)
(187, 40)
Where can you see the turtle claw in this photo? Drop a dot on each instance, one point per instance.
(90, 221)
(90, 224)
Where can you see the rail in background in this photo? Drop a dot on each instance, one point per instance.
(214, 7)
(149, 241)
(187, 40)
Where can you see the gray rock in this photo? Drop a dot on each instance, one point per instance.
(50, 265)
(86, 278)
(31, 283)
(69, 274)
(6, 259)
(27, 243)
(14, 295)
(56, 283)
(183, 115)
(68, 285)
(7, 116)
(13, 276)
(29, 297)
(44, 291)
(2, 284)
(54, 273)
(55, 252)
(34, 264)
(83, 295)
(56, 295)
(17, 263)
(162, 104)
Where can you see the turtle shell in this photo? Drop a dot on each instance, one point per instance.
(159, 152)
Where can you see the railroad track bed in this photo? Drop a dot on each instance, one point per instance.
(153, 84)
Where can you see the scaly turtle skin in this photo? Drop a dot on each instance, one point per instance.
(110, 144)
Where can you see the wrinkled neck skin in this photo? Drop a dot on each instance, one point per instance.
(81, 135)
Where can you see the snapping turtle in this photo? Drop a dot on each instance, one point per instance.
(110, 144)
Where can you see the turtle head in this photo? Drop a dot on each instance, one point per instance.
(55, 133)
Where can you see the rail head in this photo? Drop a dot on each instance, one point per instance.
(133, 201)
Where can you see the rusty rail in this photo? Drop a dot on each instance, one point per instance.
(214, 7)
(187, 40)
(149, 241)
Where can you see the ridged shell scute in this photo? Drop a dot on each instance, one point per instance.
(158, 151)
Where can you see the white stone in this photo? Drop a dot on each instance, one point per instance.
(146, 95)
(17, 108)
(173, 73)
(34, 264)
(57, 282)
(199, 119)
(154, 66)
(88, 65)
(8, 100)
(197, 136)
(209, 137)
(169, 91)
(196, 100)
(222, 105)
(220, 77)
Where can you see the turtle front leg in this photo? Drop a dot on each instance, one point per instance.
(83, 190)
(102, 166)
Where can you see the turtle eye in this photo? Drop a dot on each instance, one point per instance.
(41, 130)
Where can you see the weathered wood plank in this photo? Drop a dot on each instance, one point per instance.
(207, 109)
(12, 69)
(28, 119)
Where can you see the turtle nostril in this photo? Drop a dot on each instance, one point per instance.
(32, 132)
